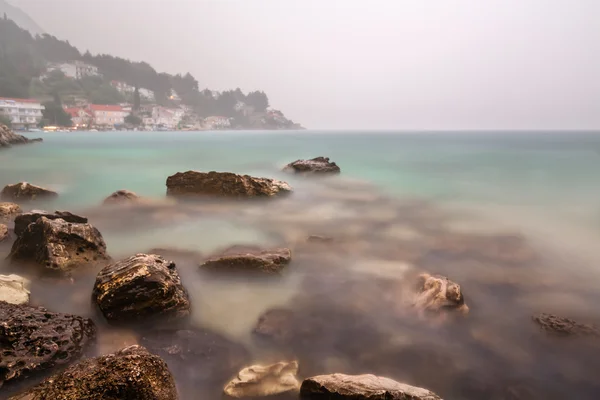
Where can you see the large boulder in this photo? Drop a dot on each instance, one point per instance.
(318, 165)
(361, 387)
(58, 245)
(262, 381)
(249, 259)
(23, 220)
(8, 211)
(223, 184)
(564, 326)
(33, 339)
(9, 138)
(142, 287)
(131, 373)
(24, 192)
(122, 196)
(14, 289)
(437, 294)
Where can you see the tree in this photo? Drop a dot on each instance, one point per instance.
(4, 120)
(136, 99)
(258, 100)
(133, 120)
(54, 114)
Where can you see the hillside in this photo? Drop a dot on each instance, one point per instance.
(20, 17)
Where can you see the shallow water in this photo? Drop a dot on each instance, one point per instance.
(398, 194)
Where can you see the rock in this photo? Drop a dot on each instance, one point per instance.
(437, 293)
(276, 325)
(223, 184)
(121, 196)
(58, 245)
(361, 387)
(319, 165)
(3, 232)
(23, 192)
(131, 373)
(14, 289)
(140, 288)
(23, 220)
(9, 138)
(261, 381)
(319, 239)
(8, 211)
(35, 339)
(564, 326)
(249, 259)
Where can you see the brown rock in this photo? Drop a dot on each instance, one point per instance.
(319, 239)
(564, 326)
(249, 259)
(140, 288)
(276, 325)
(261, 381)
(361, 387)
(8, 211)
(23, 220)
(9, 138)
(24, 192)
(223, 184)
(318, 165)
(131, 373)
(437, 293)
(121, 196)
(3, 232)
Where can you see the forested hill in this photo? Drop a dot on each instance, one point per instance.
(20, 17)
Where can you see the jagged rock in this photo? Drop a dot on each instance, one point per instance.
(131, 373)
(564, 326)
(121, 196)
(8, 211)
(318, 165)
(34, 339)
(14, 289)
(59, 246)
(250, 259)
(23, 192)
(23, 220)
(139, 288)
(9, 138)
(223, 184)
(261, 381)
(437, 293)
(3, 232)
(361, 387)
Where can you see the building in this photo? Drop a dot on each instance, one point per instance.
(166, 117)
(22, 113)
(147, 94)
(123, 87)
(81, 117)
(75, 69)
(216, 122)
(107, 115)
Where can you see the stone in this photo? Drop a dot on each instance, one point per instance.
(437, 293)
(131, 373)
(319, 239)
(59, 246)
(276, 324)
(8, 211)
(14, 289)
(318, 165)
(361, 387)
(3, 232)
(23, 220)
(564, 326)
(121, 197)
(9, 138)
(262, 381)
(224, 184)
(24, 192)
(34, 339)
(141, 287)
(249, 259)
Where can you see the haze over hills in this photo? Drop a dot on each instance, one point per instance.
(20, 18)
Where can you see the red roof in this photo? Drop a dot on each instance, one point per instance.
(74, 111)
(102, 107)
(20, 100)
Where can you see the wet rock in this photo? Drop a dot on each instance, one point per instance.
(58, 245)
(319, 239)
(261, 381)
(8, 138)
(437, 293)
(23, 220)
(3, 232)
(276, 325)
(121, 196)
(249, 259)
(223, 184)
(14, 289)
(24, 192)
(318, 165)
(131, 373)
(8, 211)
(142, 287)
(361, 387)
(34, 339)
(564, 326)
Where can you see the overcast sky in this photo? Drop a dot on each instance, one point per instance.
(384, 64)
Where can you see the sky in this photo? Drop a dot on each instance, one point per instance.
(364, 64)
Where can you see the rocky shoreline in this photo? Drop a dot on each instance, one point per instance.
(8, 138)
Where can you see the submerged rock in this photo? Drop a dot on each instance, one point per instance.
(361, 387)
(23, 192)
(58, 245)
(319, 239)
(276, 324)
(14, 289)
(139, 288)
(121, 196)
(261, 381)
(3, 232)
(23, 220)
(223, 184)
(437, 293)
(131, 373)
(249, 259)
(8, 211)
(318, 165)
(34, 339)
(564, 326)
(9, 138)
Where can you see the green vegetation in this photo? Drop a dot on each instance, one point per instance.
(134, 120)
(4, 120)
(54, 114)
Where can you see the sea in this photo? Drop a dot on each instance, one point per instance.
(397, 192)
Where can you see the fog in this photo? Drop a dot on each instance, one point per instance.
(385, 64)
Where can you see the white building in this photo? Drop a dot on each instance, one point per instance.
(216, 122)
(75, 70)
(147, 94)
(23, 113)
(122, 87)
(167, 117)
(107, 115)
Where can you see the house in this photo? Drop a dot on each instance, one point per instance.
(22, 113)
(166, 117)
(81, 117)
(216, 122)
(107, 115)
(147, 94)
(75, 69)
(122, 87)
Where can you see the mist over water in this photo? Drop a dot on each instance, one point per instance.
(513, 218)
